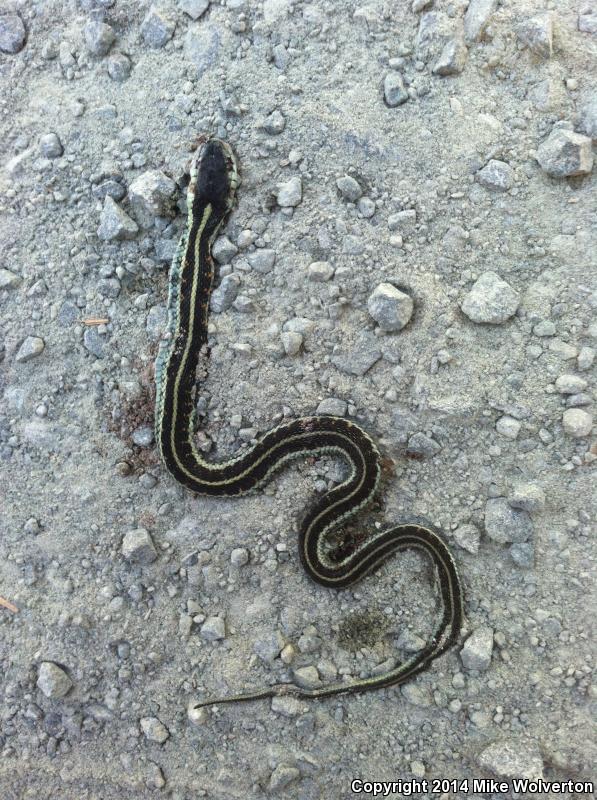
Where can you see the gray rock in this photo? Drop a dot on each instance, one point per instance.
(274, 124)
(570, 384)
(332, 406)
(587, 21)
(512, 758)
(366, 207)
(588, 115)
(194, 8)
(452, 58)
(508, 427)
(577, 422)
(201, 47)
(225, 295)
(109, 287)
(394, 91)
(490, 300)
(224, 250)
(262, 260)
(320, 271)
(288, 706)
(477, 17)
(154, 730)
(291, 342)
(536, 33)
(53, 680)
(152, 195)
(213, 629)
(8, 279)
(143, 436)
(156, 322)
(504, 524)
(307, 677)
(421, 444)
(349, 188)
(138, 547)
(544, 328)
(12, 33)
(359, 360)
(478, 648)
(110, 188)
(32, 347)
(523, 554)
(528, 497)
(586, 356)
(94, 342)
(282, 776)
(119, 67)
(565, 153)
(468, 537)
(157, 28)
(389, 307)
(50, 146)
(404, 221)
(99, 37)
(290, 194)
(496, 175)
(115, 223)
(239, 557)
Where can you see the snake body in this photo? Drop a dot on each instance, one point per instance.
(213, 182)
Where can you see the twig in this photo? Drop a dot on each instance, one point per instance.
(8, 605)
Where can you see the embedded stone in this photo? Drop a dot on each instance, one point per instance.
(490, 300)
(389, 307)
(394, 91)
(565, 153)
(53, 680)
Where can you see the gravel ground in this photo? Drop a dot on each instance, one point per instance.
(413, 247)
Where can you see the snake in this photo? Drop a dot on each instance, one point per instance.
(213, 181)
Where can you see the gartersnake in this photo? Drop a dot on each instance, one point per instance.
(210, 195)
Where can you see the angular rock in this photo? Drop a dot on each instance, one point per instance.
(422, 445)
(115, 223)
(496, 175)
(508, 427)
(587, 21)
(476, 18)
(565, 153)
(389, 307)
(307, 677)
(225, 295)
(570, 384)
(359, 360)
(504, 524)
(32, 347)
(213, 628)
(154, 729)
(53, 680)
(290, 193)
(8, 279)
(490, 300)
(512, 758)
(291, 342)
(152, 195)
(528, 497)
(394, 91)
(12, 33)
(320, 271)
(202, 46)
(453, 57)
(194, 8)
(99, 37)
(588, 115)
(157, 28)
(477, 650)
(333, 407)
(224, 250)
(262, 260)
(138, 547)
(468, 537)
(274, 124)
(404, 221)
(536, 33)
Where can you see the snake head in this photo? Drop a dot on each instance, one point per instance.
(214, 176)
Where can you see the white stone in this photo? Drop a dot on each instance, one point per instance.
(577, 422)
(490, 300)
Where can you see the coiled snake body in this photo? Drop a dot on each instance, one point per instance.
(210, 196)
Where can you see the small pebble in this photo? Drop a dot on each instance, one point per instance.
(50, 146)
(577, 422)
(290, 194)
(12, 33)
(389, 307)
(154, 730)
(490, 300)
(478, 648)
(32, 347)
(53, 680)
(138, 547)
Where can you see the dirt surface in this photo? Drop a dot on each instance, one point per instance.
(442, 149)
